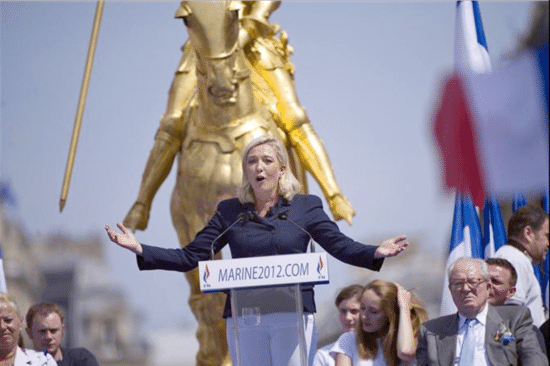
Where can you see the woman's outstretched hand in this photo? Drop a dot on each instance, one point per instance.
(391, 247)
(125, 239)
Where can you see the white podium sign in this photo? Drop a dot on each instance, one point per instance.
(225, 274)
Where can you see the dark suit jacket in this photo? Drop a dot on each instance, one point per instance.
(77, 357)
(437, 339)
(271, 235)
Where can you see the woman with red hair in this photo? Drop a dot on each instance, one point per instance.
(387, 331)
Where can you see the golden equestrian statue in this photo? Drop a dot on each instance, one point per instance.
(234, 83)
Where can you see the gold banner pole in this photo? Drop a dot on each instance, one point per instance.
(81, 103)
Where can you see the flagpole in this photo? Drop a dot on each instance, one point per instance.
(81, 103)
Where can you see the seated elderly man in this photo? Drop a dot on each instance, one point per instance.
(479, 334)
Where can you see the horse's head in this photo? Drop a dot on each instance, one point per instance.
(213, 28)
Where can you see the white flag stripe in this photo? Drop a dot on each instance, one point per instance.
(514, 155)
(470, 56)
(3, 285)
(490, 248)
(464, 249)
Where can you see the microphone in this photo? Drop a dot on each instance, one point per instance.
(283, 216)
(243, 216)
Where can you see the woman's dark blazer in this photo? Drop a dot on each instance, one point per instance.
(274, 234)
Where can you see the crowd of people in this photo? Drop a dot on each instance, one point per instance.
(500, 308)
(493, 326)
(500, 318)
(385, 324)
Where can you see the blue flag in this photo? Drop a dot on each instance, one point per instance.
(519, 201)
(494, 232)
(465, 242)
(6, 195)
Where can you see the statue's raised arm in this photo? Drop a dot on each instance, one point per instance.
(270, 59)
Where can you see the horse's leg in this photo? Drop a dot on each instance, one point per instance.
(207, 308)
(188, 219)
(205, 176)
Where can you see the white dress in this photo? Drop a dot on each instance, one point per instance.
(26, 357)
(346, 345)
(323, 356)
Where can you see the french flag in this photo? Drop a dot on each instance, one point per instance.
(492, 127)
(471, 56)
(465, 242)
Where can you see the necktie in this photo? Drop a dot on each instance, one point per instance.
(468, 344)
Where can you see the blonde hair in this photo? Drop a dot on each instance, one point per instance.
(7, 299)
(288, 184)
(366, 342)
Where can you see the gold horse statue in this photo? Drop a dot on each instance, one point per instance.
(234, 83)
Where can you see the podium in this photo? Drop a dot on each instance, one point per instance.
(267, 317)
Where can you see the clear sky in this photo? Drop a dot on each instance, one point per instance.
(366, 72)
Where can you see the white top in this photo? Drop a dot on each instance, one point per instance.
(346, 345)
(528, 291)
(480, 356)
(26, 357)
(323, 356)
